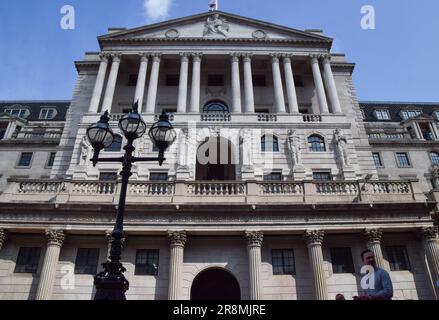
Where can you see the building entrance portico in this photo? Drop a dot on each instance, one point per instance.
(215, 284)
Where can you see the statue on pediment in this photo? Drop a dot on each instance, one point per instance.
(246, 148)
(84, 151)
(294, 147)
(341, 143)
(216, 25)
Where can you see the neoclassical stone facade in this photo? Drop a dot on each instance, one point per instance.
(291, 194)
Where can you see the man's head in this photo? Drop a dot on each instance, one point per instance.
(368, 258)
(340, 297)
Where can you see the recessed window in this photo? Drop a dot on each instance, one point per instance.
(147, 262)
(116, 145)
(3, 128)
(132, 80)
(47, 114)
(269, 143)
(298, 81)
(108, 176)
(259, 80)
(216, 107)
(382, 114)
(158, 176)
(316, 144)
(27, 260)
(377, 159)
(21, 113)
(322, 175)
(273, 176)
(408, 114)
(87, 261)
(434, 156)
(402, 159)
(25, 159)
(215, 80)
(341, 259)
(283, 261)
(398, 258)
(172, 80)
(51, 159)
(264, 111)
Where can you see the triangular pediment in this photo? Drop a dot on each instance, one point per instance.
(215, 25)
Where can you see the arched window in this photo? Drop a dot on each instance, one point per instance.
(216, 107)
(116, 146)
(316, 144)
(434, 158)
(269, 143)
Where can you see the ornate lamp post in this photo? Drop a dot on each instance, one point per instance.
(111, 284)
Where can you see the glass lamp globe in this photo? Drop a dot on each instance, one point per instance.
(100, 134)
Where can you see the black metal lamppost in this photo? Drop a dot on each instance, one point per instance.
(111, 284)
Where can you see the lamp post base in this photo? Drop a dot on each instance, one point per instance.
(111, 284)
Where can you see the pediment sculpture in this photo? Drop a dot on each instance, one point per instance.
(215, 25)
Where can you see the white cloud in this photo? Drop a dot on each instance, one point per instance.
(157, 9)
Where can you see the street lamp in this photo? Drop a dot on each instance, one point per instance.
(111, 284)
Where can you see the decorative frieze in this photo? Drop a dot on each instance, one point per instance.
(254, 238)
(177, 238)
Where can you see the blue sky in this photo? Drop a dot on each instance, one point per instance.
(395, 62)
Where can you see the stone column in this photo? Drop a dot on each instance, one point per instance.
(141, 80)
(291, 86)
(99, 84)
(111, 84)
(178, 242)
(196, 82)
(55, 240)
(330, 85)
(373, 242)
(236, 84)
(254, 243)
(320, 89)
(248, 84)
(3, 236)
(279, 97)
(431, 247)
(153, 83)
(314, 240)
(182, 86)
(434, 131)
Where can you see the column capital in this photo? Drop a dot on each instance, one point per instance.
(314, 236)
(247, 56)
(55, 237)
(3, 236)
(196, 56)
(326, 57)
(235, 56)
(275, 57)
(373, 235)
(316, 56)
(177, 238)
(144, 56)
(254, 238)
(185, 56)
(287, 57)
(429, 233)
(104, 56)
(156, 56)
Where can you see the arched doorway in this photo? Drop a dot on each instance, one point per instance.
(216, 160)
(215, 284)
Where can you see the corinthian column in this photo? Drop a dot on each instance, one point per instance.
(236, 84)
(111, 84)
(314, 240)
(55, 240)
(248, 84)
(277, 83)
(141, 80)
(178, 242)
(254, 243)
(431, 248)
(182, 86)
(153, 83)
(291, 86)
(373, 243)
(196, 82)
(330, 84)
(99, 84)
(320, 89)
(3, 236)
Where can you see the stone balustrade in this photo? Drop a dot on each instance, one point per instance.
(214, 191)
(266, 117)
(312, 118)
(216, 117)
(388, 136)
(39, 135)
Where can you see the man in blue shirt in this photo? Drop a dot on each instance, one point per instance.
(383, 289)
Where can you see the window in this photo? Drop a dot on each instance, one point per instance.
(377, 159)
(158, 176)
(21, 113)
(259, 80)
(434, 156)
(322, 176)
(273, 176)
(51, 159)
(172, 80)
(108, 176)
(283, 261)
(116, 146)
(132, 80)
(47, 114)
(316, 144)
(402, 159)
(382, 114)
(341, 259)
(298, 81)
(398, 258)
(147, 262)
(27, 260)
(87, 261)
(25, 159)
(215, 80)
(264, 111)
(269, 144)
(216, 107)
(408, 114)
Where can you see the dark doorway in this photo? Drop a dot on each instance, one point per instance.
(216, 160)
(215, 284)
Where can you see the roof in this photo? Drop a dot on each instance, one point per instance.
(35, 107)
(394, 108)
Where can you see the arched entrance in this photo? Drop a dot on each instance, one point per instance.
(216, 160)
(215, 284)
